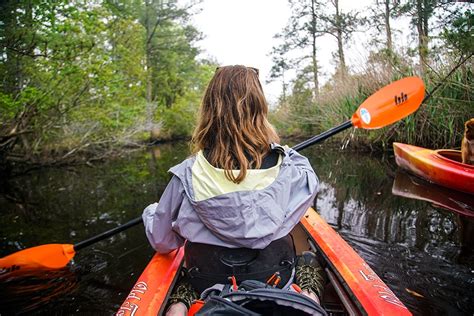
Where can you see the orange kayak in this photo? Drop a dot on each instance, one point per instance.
(353, 287)
(442, 166)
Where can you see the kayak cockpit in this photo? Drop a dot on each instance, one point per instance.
(453, 156)
(352, 287)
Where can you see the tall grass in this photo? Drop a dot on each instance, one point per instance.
(438, 123)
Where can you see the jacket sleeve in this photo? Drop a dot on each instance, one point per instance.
(160, 217)
(304, 186)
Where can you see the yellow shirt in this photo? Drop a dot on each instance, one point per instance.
(209, 181)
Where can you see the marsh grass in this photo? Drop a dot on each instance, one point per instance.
(438, 123)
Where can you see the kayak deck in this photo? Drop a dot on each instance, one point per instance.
(353, 287)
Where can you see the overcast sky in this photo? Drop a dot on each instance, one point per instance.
(241, 32)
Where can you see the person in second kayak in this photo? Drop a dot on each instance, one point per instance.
(238, 196)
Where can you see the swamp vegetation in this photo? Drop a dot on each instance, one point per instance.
(430, 39)
(84, 79)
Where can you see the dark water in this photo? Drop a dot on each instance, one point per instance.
(425, 253)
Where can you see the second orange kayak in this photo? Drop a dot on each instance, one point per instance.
(443, 166)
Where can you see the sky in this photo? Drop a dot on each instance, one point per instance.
(241, 32)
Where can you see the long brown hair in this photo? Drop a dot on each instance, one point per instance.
(232, 124)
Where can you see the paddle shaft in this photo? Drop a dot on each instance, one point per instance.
(319, 138)
(108, 233)
(441, 82)
(386, 106)
(348, 124)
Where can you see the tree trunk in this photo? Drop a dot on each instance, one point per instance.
(150, 106)
(11, 64)
(388, 29)
(421, 24)
(314, 58)
(340, 48)
(388, 34)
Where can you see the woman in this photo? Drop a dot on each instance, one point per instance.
(240, 193)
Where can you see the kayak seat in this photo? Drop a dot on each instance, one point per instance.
(209, 264)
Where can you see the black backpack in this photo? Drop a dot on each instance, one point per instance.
(257, 298)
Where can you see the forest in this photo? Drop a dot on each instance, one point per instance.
(86, 80)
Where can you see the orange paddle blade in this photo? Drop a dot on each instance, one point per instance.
(51, 256)
(390, 104)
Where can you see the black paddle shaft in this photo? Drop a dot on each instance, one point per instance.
(136, 221)
(319, 138)
(107, 234)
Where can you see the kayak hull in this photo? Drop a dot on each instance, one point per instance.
(358, 288)
(443, 166)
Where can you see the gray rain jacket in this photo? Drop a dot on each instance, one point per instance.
(201, 205)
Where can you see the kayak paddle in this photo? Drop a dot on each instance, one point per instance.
(53, 256)
(386, 106)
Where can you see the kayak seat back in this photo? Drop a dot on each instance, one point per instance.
(209, 264)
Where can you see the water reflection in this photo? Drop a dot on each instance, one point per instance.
(412, 187)
(441, 198)
(423, 252)
(31, 290)
(71, 205)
